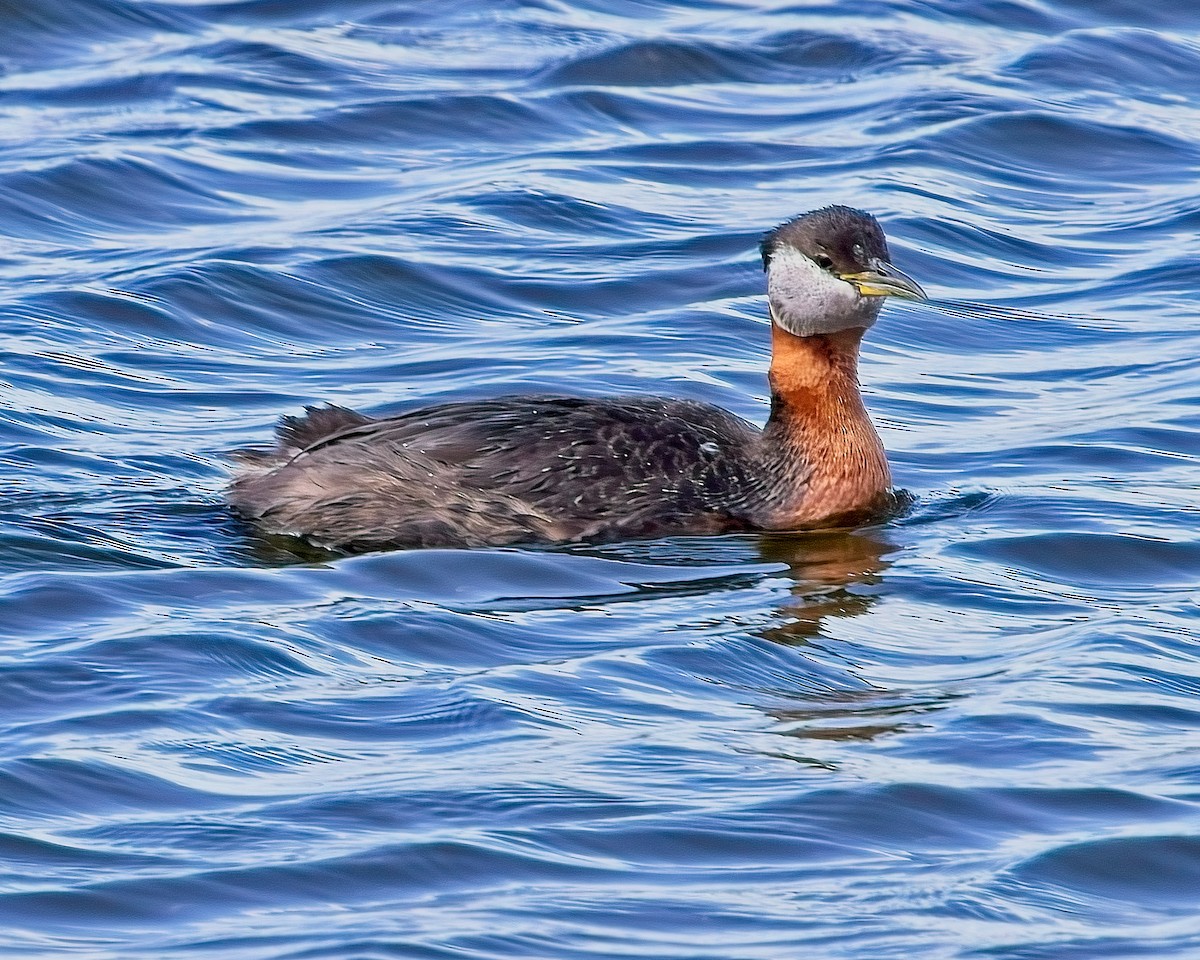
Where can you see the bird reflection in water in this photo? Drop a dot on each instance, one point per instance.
(836, 575)
(833, 572)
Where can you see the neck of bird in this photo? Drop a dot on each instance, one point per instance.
(826, 451)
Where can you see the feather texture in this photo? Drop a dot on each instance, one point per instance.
(506, 470)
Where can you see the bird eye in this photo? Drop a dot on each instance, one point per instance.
(823, 261)
(860, 254)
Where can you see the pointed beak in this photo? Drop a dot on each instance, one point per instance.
(884, 280)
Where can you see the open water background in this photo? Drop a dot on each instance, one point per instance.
(970, 732)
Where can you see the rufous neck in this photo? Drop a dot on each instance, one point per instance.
(815, 373)
(829, 461)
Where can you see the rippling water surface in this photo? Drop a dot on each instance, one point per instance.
(971, 731)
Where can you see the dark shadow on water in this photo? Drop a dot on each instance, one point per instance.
(260, 549)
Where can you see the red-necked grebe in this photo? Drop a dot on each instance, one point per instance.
(555, 468)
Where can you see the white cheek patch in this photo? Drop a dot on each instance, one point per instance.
(806, 300)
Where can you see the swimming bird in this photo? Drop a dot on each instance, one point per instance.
(540, 468)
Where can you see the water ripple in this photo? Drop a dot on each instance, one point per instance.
(967, 731)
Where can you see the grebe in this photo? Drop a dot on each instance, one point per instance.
(557, 468)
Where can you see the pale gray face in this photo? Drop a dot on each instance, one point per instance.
(806, 299)
(829, 270)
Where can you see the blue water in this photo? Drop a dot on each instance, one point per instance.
(972, 731)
